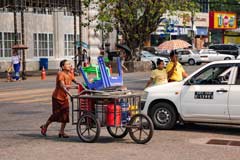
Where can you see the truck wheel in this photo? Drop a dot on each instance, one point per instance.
(227, 58)
(163, 116)
(191, 61)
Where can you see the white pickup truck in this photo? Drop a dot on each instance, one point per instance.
(211, 94)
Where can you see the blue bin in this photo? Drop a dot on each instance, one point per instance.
(43, 63)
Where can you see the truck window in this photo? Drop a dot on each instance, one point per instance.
(214, 75)
(238, 77)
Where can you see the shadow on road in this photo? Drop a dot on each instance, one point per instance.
(209, 128)
(74, 139)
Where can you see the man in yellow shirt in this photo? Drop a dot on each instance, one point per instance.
(159, 75)
(174, 69)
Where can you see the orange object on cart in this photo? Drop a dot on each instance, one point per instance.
(110, 119)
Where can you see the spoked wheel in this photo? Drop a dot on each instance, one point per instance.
(117, 132)
(88, 128)
(141, 128)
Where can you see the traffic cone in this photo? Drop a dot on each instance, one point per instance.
(43, 74)
(110, 69)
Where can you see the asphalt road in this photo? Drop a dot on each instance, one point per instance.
(25, 105)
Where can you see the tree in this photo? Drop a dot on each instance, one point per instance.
(224, 5)
(136, 20)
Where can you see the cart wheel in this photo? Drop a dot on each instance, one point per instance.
(88, 128)
(117, 132)
(141, 128)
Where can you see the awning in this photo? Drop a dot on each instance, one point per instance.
(202, 31)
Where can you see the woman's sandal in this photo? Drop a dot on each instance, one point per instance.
(43, 130)
(60, 135)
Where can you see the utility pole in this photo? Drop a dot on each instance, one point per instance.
(15, 22)
(23, 42)
(75, 36)
(80, 32)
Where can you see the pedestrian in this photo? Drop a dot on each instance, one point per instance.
(174, 69)
(123, 57)
(16, 59)
(60, 104)
(158, 75)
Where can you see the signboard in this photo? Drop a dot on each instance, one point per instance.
(170, 28)
(222, 20)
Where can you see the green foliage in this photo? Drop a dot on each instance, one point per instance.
(224, 5)
(136, 20)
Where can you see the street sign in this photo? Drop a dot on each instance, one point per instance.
(170, 28)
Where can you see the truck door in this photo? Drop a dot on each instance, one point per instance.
(205, 95)
(234, 97)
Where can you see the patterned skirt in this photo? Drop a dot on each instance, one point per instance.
(60, 111)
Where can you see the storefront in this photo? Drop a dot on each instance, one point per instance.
(220, 26)
(182, 27)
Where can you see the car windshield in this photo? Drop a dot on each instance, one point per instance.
(147, 54)
(195, 51)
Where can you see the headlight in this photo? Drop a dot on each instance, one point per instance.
(144, 96)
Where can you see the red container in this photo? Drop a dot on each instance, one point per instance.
(86, 104)
(110, 115)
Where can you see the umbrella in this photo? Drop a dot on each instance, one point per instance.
(19, 46)
(174, 44)
(124, 47)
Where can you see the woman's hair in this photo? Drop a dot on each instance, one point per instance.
(159, 61)
(62, 63)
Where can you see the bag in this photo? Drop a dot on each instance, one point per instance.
(9, 70)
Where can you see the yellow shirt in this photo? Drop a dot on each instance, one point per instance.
(159, 76)
(177, 74)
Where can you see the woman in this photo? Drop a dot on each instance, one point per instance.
(159, 75)
(60, 104)
(16, 64)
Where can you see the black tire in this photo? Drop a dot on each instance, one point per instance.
(163, 116)
(191, 62)
(141, 128)
(227, 58)
(117, 132)
(88, 123)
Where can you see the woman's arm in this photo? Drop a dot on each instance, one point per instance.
(65, 88)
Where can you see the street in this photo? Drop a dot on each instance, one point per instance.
(26, 105)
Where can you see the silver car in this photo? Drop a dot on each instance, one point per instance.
(209, 55)
(189, 56)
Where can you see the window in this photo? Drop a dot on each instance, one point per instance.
(69, 44)
(7, 40)
(238, 77)
(213, 75)
(43, 44)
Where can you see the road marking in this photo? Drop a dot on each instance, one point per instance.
(32, 91)
(21, 97)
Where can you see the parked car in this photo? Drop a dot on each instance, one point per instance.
(210, 55)
(210, 95)
(147, 56)
(188, 56)
(229, 49)
(238, 57)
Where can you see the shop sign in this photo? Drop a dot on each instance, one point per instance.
(222, 20)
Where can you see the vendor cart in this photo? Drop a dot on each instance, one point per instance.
(118, 111)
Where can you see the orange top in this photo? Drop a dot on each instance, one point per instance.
(59, 92)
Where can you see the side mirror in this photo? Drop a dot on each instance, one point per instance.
(189, 82)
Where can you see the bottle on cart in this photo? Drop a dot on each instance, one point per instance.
(125, 114)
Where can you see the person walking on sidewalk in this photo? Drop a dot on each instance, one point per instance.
(174, 69)
(159, 75)
(16, 64)
(60, 104)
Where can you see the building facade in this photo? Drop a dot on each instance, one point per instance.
(48, 34)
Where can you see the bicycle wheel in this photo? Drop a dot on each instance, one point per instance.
(88, 128)
(117, 132)
(141, 128)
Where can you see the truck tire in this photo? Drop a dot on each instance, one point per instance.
(163, 116)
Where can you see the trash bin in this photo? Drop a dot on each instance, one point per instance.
(43, 63)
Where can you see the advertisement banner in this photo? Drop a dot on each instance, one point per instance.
(222, 20)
